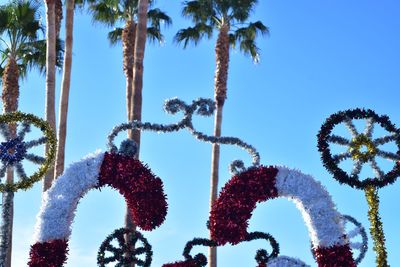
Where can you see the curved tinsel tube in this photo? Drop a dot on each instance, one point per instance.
(376, 229)
(202, 107)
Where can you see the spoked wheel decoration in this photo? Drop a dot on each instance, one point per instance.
(127, 252)
(200, 260)
(357, 230)
(13, 151)
(363, 149)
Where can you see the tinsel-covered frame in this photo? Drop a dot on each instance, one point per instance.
(325, 137)
(200, 260)
(126, 174)
(359, 140)
(238, 198)
(202, 107)
(124, 249)
(20, 149)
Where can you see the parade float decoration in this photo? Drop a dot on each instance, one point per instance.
(228, 222)
(362, 149)
(15, 152)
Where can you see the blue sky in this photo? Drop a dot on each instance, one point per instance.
(321, 57)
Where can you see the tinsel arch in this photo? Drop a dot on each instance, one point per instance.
(142, 190)
(233, 209)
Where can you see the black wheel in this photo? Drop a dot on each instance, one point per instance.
(362, 148)
(125, 253)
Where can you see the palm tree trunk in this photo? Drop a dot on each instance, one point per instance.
(128, 48)
(50, 77)
(220, 87)
(140, 44)
(10, 97)
(66, 82)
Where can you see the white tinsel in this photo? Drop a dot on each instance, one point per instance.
(324, 223)
(284, 261)
(60, 201)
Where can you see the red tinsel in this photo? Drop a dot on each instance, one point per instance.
(143, 191)
(335, 256)
(187, 263)
(48, 254)
(238, 198)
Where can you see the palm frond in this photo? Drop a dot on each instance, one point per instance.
(198, 10)
(156, 16)
(249, 47)
(154, 35)
(193, 34)
(106, 12)
(246, 37)
(115, 36)
(240, 10)
(33, 55)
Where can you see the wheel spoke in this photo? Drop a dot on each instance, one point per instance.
(338, 140)
(20, 171)
(36, 142)
(112, 249)
(385, 139)
(25, 128)
(378, 171)
(340, 157)
(356, 245)
(369, 127)
(138, 251)
(388, 155)
(35, 159)
(353, 233)
(351, 127)
(356, 168)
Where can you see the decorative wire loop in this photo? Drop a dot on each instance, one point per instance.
(262, 256)
(200, 259)
(14, 149)
(202, 107)
(126, 253)
(355, 146)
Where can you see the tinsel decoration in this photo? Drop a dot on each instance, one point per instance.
(202, 107)
(48, 254)
(262, 257)
(200, 260)
(143, 191)
(119, 256)
(376, 229)
(334, 256)
(355, 145)
(233, 208)
(284, 261)
(359, 230)
(360, 157)
(14, 150)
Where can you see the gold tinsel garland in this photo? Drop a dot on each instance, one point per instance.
(376, 229)
(14, 117)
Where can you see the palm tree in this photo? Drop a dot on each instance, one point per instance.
(139, 24)
(230, 19)
(20, 51)
(65, 86)
(50, 113)
(116, 13)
